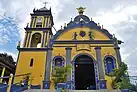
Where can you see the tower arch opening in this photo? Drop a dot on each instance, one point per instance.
(36, 40)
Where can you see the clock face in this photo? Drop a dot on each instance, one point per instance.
(40, 19)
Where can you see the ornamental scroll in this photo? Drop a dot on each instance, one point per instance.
(80, 47)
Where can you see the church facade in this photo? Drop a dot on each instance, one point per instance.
(91, 50)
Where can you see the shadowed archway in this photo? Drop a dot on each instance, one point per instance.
(36, 40)
(84, 73)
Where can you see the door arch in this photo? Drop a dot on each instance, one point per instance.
(84, 72)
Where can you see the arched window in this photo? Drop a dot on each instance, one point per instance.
(31, 62)
(110, 64)
(58, 61)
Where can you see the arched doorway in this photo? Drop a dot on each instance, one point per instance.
(84, 73)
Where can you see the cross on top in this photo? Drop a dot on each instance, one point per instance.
(45, 3)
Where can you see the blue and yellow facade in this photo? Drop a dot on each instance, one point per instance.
(81, 43)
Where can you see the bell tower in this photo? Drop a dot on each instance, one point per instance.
(38, 32)
(34, 53)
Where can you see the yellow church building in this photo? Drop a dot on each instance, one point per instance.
(92, 51)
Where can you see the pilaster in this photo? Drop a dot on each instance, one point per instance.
(68, 62)
(46, 82)
(118, 55)
(102, 81)
(25, 40)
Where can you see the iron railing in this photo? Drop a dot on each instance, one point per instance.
(16, 87)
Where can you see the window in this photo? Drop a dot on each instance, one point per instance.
(39, 22)
(58, 61)
(110, 64)
(31, 62)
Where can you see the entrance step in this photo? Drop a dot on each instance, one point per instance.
(95, 91)
(46, 90)
(38, 90)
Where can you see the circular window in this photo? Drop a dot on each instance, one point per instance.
(82, 33)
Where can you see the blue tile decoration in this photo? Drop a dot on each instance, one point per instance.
(102, 84)
(46, 84)
(69, 85)
(61, 85)
(55, 62)
(125, 90)
(108, 67)
(96, 73)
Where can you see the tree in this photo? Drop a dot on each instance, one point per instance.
(122, 80)
(60, 74)
(7, 58)
(118, 73)
(8, 62)
(124, 84)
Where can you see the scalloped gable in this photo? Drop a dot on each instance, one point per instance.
(82, 21)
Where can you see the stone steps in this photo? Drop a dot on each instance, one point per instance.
(46, 90)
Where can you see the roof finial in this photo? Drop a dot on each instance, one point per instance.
(71, 19)
(98, 24)
(91, 19)
(102, 27)
(45, 3)
(65, 25)
(61, 27)
(81, 10)
(18, 46)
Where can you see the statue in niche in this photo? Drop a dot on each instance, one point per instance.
(75, 36)
(91, 37)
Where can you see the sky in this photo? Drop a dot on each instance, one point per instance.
(119, 17)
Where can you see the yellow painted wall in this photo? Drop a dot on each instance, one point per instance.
(40, 57)
(68, 35)
(60, 51)
(38, 68)
(106, 49)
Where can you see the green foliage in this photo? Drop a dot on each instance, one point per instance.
(60, 74)
(7, 58)
(124, 84)
(118, 73)
(121, 80)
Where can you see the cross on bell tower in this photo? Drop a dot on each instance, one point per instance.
(45, 3)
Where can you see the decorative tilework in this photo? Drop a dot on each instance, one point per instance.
(58, 57)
